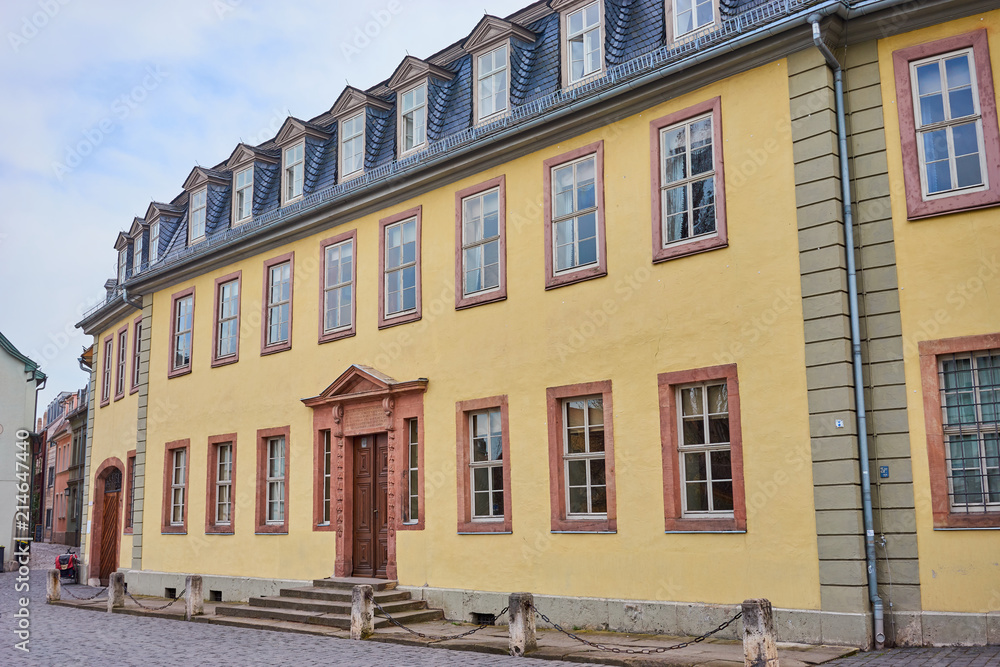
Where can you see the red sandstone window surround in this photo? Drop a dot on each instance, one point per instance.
(688, 182)
(136, 349)
(961, 385)
(573, 194)
(948, 125)
(276, 318)
(702, 441)
(227, 308)
(176, 473)
(481, 243)
(129, 493)
(337, 292)
(121, 369)
(323, 462)
(399, 262)
(181, 333)
(412, 496)
(273, 448)
(220, 510)
(483, 464)
(581, 458)
(109, 350)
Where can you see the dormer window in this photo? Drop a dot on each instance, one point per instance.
(137, 254)
(413, 118)
(691, 15)
(584, 42)
(491, 75)
(122, 264)
(352, 146)
(199, 208)
(243, 197)
(154, 242)
(294, 171)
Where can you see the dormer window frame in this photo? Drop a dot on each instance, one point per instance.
(194, 206)
(137, 253)
(478, 78)
(401, 115)
(566, 11)
(286, 197)
(154, 241)
(342, 139)
(238, 190)
(672, 16)
(122, 264)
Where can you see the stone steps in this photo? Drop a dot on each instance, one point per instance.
(326, 603)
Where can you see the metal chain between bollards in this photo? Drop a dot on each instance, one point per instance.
(77, 597)
(434, 638)
(157, 608)
(641, 650)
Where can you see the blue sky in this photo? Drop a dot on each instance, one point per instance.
(107, 105)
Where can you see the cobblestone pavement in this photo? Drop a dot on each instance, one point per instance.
(64, 636)
(957, 656)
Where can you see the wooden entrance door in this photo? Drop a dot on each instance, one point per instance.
(109, 525)
(371, 483)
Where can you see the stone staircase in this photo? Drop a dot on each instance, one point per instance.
(328, 603)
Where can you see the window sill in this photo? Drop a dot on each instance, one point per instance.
(979, 521)
(920, 209)
(133, 390)
(678, 250)
(727, 525)
(128, 531)
(105, 402)
(501, 527)
(396, 320)
(584, 532)
(225, 361)
(570, 526)
(166, 531)
(573, 277)
(119, 397)
(337, 335)
(219, 530)
(473, 300)
(272, 532)
(486, 532)
(179, 372)
(275, 349)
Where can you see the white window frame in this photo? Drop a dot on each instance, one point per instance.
(109, 350)
(948, 125)
(198, 212)
(243, 195)
(411, 511)
(688, 181)
(586, 456)
(706, 449)
(979, 428)
(275, 483)
(570, 37)
(403, 265)
(695, 27)
(423, 107)
(575, 216)
(179, 333)
(122, 265)
(224, 481)
(343, 141)
(492, 75)
(293, 172)
(336, 289)
(327, 478)
(222, 318)
(178, 476)
(136, 352)
(482, 243)
(154, 242)
(137, 254)
(274, 306)
(490, 464)
(122, 363)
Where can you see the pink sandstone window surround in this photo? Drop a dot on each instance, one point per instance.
(399, 266)
(268, 473)
(176, 477)
(481, 243)
(483, 464)
(181, 350)
(923, 201)
(226, 319)
(277, 304)
(217, 479)
(338, 309)
(136, 349)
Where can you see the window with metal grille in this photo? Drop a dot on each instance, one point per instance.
(970, 404)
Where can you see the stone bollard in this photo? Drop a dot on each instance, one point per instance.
(759, 648)
(522, 624)
(362, 612)
(194, 601)
(53, 587)
(116, 591)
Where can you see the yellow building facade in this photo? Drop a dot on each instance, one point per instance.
(600, 352)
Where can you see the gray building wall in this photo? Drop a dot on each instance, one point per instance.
(17, 412)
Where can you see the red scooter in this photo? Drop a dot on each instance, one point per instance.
(67, 565)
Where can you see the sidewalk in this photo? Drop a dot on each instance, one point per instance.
(552, 644)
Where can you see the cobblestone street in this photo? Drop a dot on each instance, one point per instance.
(956, 656)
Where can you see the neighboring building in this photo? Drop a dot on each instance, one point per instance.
(77, 420)
(566, 308)
(20, 379)
(65, 420)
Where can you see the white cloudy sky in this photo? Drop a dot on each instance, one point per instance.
(106, 105)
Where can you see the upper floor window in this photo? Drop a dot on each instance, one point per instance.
(122, 363)
(136, 348)
(228, 322)
(491, 75)
(137, 254)
(277, 316)
(243, 199)
(294, 173)
(584, 42)
(182, 332)
(352, 146)
(109, 349)
(122, 265)
(338, 286)
(948, 127)
(481, 242)
(154, 241)
(690, 15)
(199, 209)
(413, 118)
(400, 277)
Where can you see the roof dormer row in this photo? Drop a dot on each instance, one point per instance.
(501, 64)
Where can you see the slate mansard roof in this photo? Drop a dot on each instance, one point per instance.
(635, 44)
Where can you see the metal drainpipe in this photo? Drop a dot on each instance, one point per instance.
(852, 290)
